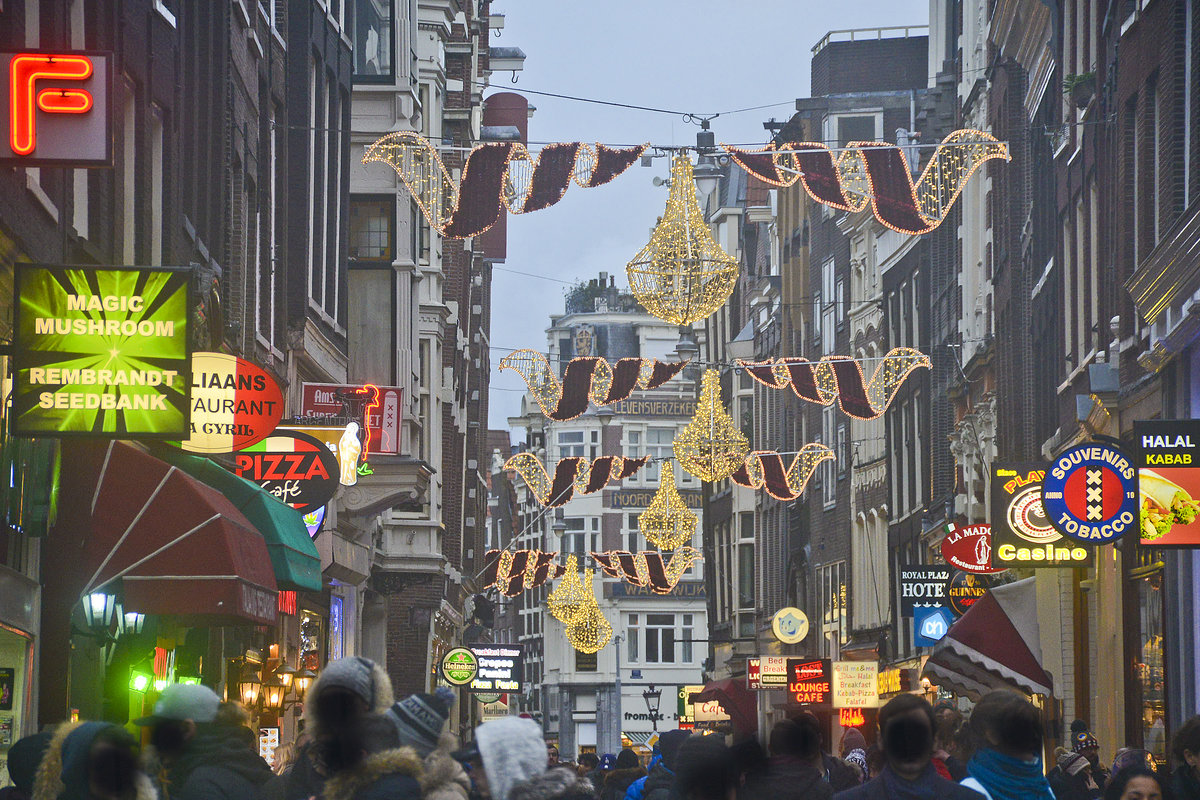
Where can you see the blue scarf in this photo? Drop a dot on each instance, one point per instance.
(897, 788)
(1008, 778)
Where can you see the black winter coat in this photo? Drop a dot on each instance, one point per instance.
(660, 785)
(389, 775)
(876, 790)
(217, 766)
(617, 782)
(787, 779)
(1184, 784)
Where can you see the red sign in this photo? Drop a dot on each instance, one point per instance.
(969, 548)
(377, 407)
(851, 717)
(57, 108)
(234, 404)
(297, 468)
(810, 681)
(753, 674)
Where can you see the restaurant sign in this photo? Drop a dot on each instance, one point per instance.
(1022, 535)
(234, 404)
(500, 668)
(969, 548)
(809, 681)
(855, 684)
(101, 351)
(1168, 480)
(295, 467)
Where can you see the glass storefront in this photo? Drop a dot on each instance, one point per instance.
(1149, 666)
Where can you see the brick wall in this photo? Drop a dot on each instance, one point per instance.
(870, 66)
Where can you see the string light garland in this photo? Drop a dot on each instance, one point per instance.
(682, 275)
(841, 378)
(711, 446)
(571, 475)
(667, 522)
(877, 173)
(495, 173)
(765, 469)
(514, 571)
(647, 567)
(584, 379)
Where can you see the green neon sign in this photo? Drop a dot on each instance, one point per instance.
(101, 351)
(460, 666)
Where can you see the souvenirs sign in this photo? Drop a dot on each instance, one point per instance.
(923, 585)
(969, 548)
(234, 404)
(459, 666)
(855, 684)
(1168, 480)
(809, 681)
(56, 108)
(1022, 535)
(295, 467)
(1090, 493)
(501, 667)
(101, 351)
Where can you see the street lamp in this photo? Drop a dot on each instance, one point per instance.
(273, 691)
(249, 686)
(707, 175)
(303, 680)
(98, 609)
(653, 698)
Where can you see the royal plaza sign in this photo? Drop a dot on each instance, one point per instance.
(101, 351)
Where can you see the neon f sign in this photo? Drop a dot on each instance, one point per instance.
(24, 98)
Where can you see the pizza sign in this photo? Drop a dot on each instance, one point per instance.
(296, 468)
(1090, 493)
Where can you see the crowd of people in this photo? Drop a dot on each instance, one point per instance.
(359, 743)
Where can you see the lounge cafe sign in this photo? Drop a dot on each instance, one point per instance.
(101, 351)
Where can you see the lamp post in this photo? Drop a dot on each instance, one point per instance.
(653, 698)
(98, 610)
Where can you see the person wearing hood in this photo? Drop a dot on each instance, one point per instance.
(637, 789)
(660, 783)
(346, 691)
(374, 766)
(793, 770)
(420, 721)
(91, 761)
(627, 769)
(202, 761)
(906, 726)
(1007, 765)
(22, 760)
(1185, 746)
(508, 762)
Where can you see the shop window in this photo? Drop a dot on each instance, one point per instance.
(336, 635)
(311, 639)
(1149, 667)
(374, 47)
(372, 229)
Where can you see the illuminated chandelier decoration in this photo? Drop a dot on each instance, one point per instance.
(571, 475)
(682, 275)
(513, 571)
(589, 631)
(711, 447)
(765, 469)
(647, 568)
(586, 378)
(573, 603)
(667, 522)
(877, 173)
(568, 597)
(840, 378)
(495, 173)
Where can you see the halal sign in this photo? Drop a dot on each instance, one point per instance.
(297, 468)
(234, 404)
(969, 548)
(1090, 493)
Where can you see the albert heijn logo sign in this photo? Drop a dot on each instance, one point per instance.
(57, 108)
(1090, 493)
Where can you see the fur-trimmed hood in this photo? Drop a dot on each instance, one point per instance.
(362, 672)
(556, 784)
(443, 777)
(48, 783)
(512, 750)
(348, 783)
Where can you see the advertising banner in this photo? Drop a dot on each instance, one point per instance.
(766, 672)
(931, 624)
(378, 410)
(922, 585)
(1090, 493)
(101, 351)
(56, 108)
(965, 589)
(1168, 480)
(1022, 535)
(855, 684)
(298, 469)
(810, 681)
(501, 668)
(234, 404)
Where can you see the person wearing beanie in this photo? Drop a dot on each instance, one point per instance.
(420, 721)
(660, 783)
(91, 761)
(1071, 778)
(22, 760)
(1084, 743)
(382, 770)
(627, 769)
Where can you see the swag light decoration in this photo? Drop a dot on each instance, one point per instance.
(840, 378)
(571, 475)
(682, 275)
(647, 568)
(764, 469)
(711, 447)
(586, 378)
(495, 173)
(877, 173)
(667, 522)
(514, 571)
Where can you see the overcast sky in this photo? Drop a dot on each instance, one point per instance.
(699, 56)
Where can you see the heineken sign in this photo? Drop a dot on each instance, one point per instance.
(460, 666)
(101, 351)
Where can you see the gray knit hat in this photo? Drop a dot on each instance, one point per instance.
(353, 674)
(420, 718)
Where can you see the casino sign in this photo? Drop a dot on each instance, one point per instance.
(1090, 493)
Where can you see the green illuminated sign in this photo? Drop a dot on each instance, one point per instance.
(101, 351)
(460, 666)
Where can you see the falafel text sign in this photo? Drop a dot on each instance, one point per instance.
(1090, 493)
(57, 108)
(101, 351)
(1168, 479)
(234, 404)
(500, 668)
(855, 684)
(1022, 536)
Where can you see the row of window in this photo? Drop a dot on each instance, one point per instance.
(659, 638)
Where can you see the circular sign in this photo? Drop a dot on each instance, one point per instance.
(964, 590)
(1090, 493)
(486, 698)
(1027, 518)
(789, 625)
(459, 666)
(234, 404)
(969, 548)
(297, 468)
